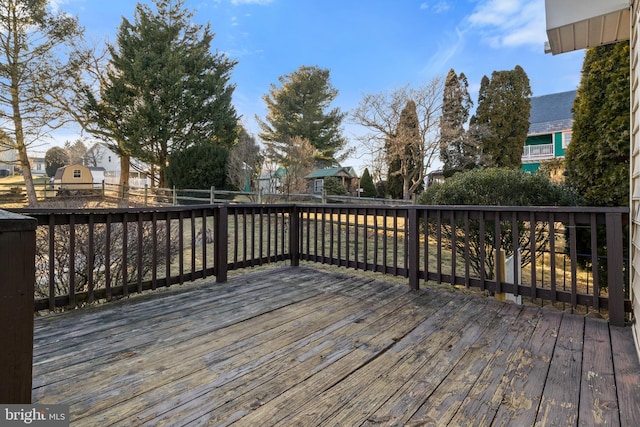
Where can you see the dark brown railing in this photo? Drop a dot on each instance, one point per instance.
(570, 256)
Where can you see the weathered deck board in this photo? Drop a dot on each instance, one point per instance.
(298, 346)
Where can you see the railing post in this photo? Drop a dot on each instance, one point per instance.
(294, 235)
(17, 278)
(221, 239)
(212, 195)
(615, 268)
(413, 249)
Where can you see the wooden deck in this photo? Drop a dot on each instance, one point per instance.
(299, 346)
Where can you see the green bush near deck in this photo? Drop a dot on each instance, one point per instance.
(495, 187)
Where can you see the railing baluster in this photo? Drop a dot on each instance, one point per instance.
(125, 257)
(72, 260)
(483, 250)
(533, 225)
(376, 236)
(595, 268)
(574, 259)
(439, 244)
(154, 252)
(261, 236)
(181, 246)
(413, 250)
(454, 245)
(140, 248)
(52, 262)
(107, 257)
(90, 257)
(467, 265)
(204, 242)
(515, 244)
(497, 260)
(552, 252)
(395, 242)
(425, 224)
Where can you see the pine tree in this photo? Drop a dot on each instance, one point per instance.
(299, 107)
(366, 183)
(165, 90)
(457, 150)
(501, 121)
(597, 159)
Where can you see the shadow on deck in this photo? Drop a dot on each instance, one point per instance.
(299, 346)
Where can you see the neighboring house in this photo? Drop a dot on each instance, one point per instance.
(346, 174)
(38, 166)
(270, 182)
(435, 177)
(98, 176)
(99, 155)
(550, 124)
(8, 160)
(73, 177)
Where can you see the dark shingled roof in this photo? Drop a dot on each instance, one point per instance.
(551, 113)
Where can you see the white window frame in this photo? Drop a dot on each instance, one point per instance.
(566, 139)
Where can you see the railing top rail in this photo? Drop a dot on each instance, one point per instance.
(563, 209)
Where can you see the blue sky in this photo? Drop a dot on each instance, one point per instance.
(369, 45)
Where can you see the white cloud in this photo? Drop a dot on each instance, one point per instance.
(437, 6)
(510, 23)
(447, 49)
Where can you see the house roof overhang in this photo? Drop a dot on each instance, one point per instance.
(581, 24)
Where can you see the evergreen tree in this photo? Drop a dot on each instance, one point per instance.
(299, 107)
(597, 159)
(165, 91)
(366, 183)
(501, 121)
(199, 166)
(457, 150)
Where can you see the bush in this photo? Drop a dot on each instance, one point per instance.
(498, 187)
(495, 187)
(333, 186)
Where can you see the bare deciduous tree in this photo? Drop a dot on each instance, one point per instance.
(37, 64)
(380, 113)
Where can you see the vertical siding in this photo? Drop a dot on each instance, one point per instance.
(635, 167)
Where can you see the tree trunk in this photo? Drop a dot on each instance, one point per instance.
(32, 199)
(406, 194)
(125, 167)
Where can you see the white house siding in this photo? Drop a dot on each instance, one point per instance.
(635, 166)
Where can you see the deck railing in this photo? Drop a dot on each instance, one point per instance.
(569, 256)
